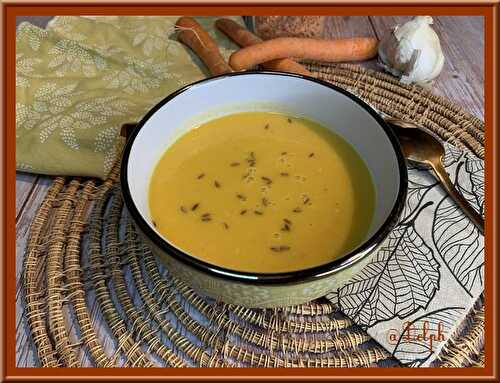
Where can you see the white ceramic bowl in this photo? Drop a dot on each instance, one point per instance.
(334, 108)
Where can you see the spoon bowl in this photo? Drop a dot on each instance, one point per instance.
(423, 148)
(420, 146)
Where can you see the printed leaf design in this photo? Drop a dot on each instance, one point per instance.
(60, 70)
(418, 187)
(68, 28)
(32, 34)
(81, 116)
(68, 136)
(424, 336)
(475, 186)
(53, 99)
(25, 69)
(455, 236)
(452, 155)
(153, 37)
(139, 76)
(460, 245)
(403, 277)
(70, 58)
(53, 111)
(380, 293)
(106, 142)
(26, 116)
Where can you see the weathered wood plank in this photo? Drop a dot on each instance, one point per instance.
(24, 349)
(466, 47)
(26, 218)
(457, 81)
(25, 182)
(348, 26)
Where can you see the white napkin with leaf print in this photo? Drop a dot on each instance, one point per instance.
(430, 271)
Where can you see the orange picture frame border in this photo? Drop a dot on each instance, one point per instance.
(10, 9)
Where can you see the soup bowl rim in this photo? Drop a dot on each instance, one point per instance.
(281, 278)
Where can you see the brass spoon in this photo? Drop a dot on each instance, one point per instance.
(423, 148)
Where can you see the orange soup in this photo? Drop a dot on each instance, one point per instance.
(262, 192)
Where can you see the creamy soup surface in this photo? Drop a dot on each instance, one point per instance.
(262, 192)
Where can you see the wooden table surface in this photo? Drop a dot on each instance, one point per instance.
(462, 81)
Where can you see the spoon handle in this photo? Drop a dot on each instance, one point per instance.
(467, 208)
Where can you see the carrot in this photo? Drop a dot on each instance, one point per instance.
(348, 49)
(195, 37)
(237, 33)
(286, 65)
(244, 38)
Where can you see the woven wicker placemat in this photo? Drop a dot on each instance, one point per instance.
(95, 295)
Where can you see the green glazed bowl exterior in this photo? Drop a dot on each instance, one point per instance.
(380, 150)
(255, 295)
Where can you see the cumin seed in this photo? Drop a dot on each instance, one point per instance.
(266, 127)
(195, 206)
(154, 223)
(284, 174)
(265, 201)
(201, 176)
(241, 197)
(289, 120)
(311, 155)
(279, 249)
(306, 200)
(216, 184)
(183, 209)
(297, 210)
(233, 164)
(206, 219)
(286, 227)
(267, 180)
(283, 153)
(258, 212)
(205, 215)
(243, 212)
(287, 221)
(226, 226)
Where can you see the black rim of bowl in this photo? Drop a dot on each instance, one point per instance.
(297, 276)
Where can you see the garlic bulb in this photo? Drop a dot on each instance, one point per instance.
(412, 51)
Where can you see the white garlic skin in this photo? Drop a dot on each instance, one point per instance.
(412, 51)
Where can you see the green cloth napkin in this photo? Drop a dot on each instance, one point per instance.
(81, 78)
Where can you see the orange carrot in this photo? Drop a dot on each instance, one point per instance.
(240, 35)
(244, 38)
(338, 50)
(195, 37)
